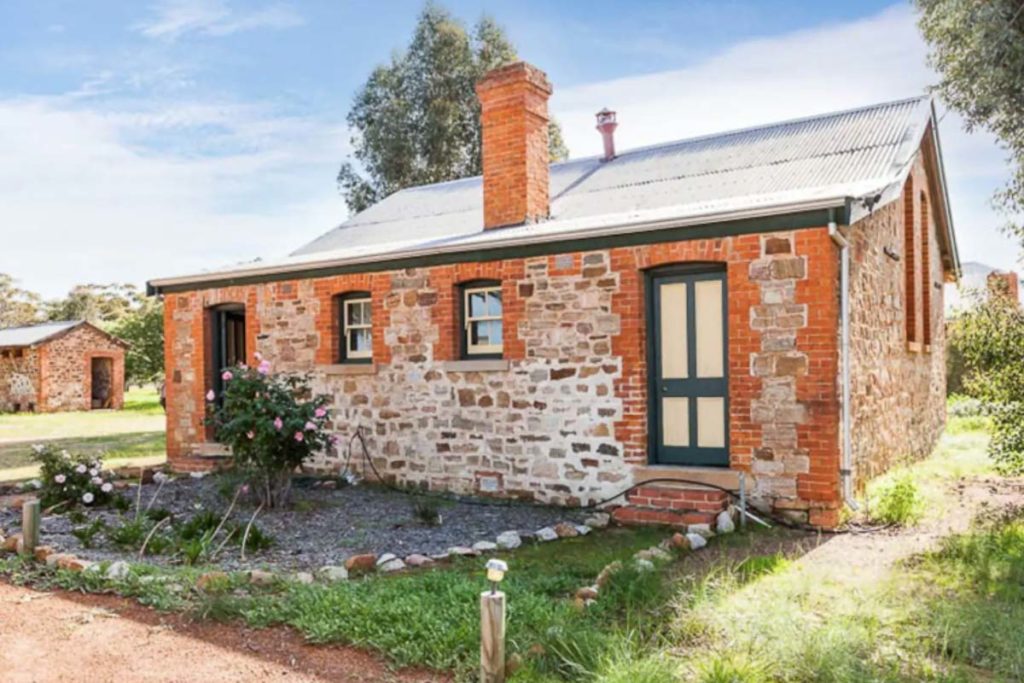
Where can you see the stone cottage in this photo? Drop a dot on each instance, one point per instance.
(765, 301)
(60, 366)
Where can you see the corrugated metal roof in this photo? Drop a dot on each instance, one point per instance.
(33, 334)
(762, 170)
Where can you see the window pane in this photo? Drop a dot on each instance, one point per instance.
(494, 331)
(494, 303)
(360, 341)
(477, 304)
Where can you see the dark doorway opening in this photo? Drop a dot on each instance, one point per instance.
(228, 341)
(102, 383)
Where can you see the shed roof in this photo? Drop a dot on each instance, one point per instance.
(33, 334)
(811, 163)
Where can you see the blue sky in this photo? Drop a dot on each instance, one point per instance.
(145, 139)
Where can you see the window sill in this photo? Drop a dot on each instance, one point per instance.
(914, 347)
(347, 369)
(211, 449)
(477, 365)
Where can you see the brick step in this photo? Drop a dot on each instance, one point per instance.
(628, 515)
(678, 505)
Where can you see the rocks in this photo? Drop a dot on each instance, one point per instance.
(547, 534)
(118, 571)
(598, 520)
(485, 546)
(11, 543)
(679, 541)
(361, 563)
(258, 577)
(702, 529)
(385, 558)
(462, 551)
(724, 523)
(332, 574)
(587, 593)
(644, 565)
(416, 560)
(606, 574)
(305, 578)
(653, 554)
(72, 563)
(42, 552)
(53, 558)
(212, 581)
(392, 565)
(509, 540)
(582, 529)
(696, 541)
(566, 530)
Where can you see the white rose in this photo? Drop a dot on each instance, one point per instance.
(87, 498)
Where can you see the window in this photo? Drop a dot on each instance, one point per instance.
(355, 318)
(481, 316)
(926, 272)
(910, 263)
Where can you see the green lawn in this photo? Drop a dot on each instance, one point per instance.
(138, 430)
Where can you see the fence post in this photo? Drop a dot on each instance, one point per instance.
(30, 526)
(492, 637)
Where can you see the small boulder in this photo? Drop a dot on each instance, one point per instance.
(305, 578)
(679, 541)
(566, 530)
(417, 560)
(258, 577)
(53, 559)
(606, 574)
(385, 558)
(74, 564)
(644, 565)
(587, 593)
(11, 543)
(42, 552)
(653, 554)
(582, 529)
(118, 571)
(598, 520)
(211, 581)
(509, 540)
(485, 546)
(724, 523)
(332, 574)
(696, 541)
(547, 534)
(361, 563)
(702, 529)
(393, 565)
(462, 551)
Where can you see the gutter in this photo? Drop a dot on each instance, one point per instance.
(625, 228)
(846, 452)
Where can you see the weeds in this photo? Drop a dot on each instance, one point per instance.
(897, 500)
(87, 534)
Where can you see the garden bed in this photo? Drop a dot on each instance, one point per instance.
(323, 527)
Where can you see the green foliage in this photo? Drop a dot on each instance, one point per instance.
(86, 534)
(142, 326)
(978, 50)
(272, 424)
(192, 541)
(70, 479)
(100, 304)
(896, 500)
(417, 119)
(991, 338)
(17, 306)
(427, 511)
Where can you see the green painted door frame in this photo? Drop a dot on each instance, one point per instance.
(691, 387)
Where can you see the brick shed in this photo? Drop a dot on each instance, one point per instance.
(60, 366)
(765, 301)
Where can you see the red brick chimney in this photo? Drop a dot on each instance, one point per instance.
(1003, 284)
(606, 125)
(514, 118)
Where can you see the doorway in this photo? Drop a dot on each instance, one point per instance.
(101, 383)
(228, 341)
(687, 356)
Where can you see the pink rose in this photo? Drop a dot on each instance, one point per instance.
(320, 412)
(310, 426)
(299, 436)
(250, 434)
(210, 395)
(264, 368)
(278, 423)
(227, 375)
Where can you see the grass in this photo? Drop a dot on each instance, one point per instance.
(136, 431)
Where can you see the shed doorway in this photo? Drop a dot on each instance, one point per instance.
(102, 383)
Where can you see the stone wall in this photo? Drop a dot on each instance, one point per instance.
(564, 417)
(19, 379)
(898, 385)
(65, 364)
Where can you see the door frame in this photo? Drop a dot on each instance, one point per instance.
(652, 276)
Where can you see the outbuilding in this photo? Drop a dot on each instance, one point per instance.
(60, 366)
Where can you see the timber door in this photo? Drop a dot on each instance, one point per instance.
(228, 342)
(688, 362)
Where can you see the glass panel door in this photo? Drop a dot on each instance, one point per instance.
(689, 385)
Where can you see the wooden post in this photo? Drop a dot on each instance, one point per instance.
(30, 526)
(492, 637)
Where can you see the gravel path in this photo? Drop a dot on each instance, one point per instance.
(323, 527)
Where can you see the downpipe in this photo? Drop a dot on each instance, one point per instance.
(846, 454)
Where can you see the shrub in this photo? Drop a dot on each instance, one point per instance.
(897, 500)
(272, 424)
(70, 479)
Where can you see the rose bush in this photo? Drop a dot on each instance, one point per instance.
(71, 479)
(272, 423)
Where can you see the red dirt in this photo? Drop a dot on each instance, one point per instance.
(51, 637)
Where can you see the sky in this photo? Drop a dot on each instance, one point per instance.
(146, 139)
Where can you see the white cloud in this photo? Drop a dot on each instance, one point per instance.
(175, 18)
